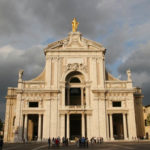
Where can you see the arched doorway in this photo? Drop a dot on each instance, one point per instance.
(75, 96)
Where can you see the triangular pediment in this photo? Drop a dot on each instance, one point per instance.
(75, 41)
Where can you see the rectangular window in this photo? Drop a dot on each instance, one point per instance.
(116, 104)
(33, 104)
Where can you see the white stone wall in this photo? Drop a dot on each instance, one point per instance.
(87, 57)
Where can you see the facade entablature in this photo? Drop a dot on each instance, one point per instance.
(76, 108)
(32, 98)
(88, 112)
(121, 90)
(11, 93)
(33, 85)
(116, 84)
(41, 91)
(115, 111)
(33, 111)
(116, 98)
(11, 97)
(112, 90)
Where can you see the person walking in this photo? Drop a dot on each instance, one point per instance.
(49, 142)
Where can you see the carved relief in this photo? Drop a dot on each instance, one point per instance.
(76, 66)
(75, 40)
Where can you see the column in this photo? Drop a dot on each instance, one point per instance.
(94, 73)
(83, 125)
(87, 96)
(62, 124)
(39, 128)
(107, 130)
(102, 71)
(82, 99)
(55, 72)
(124, 126)
(68, 127)
(68, 96)
(48, 71)
(25, 127)
(111, 128)
(63, 96)
(89, 126)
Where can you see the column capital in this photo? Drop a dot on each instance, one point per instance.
(83, 113)
(110, 114)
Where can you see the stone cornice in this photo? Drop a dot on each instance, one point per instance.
(33, 110)
(89, 112)
(73, 50)
(39, 91)
(11, 97)
(121, 90)
(33, 82)
(118, 110)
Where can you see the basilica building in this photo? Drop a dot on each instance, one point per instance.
(73, 97)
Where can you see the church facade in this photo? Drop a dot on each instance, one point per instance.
(74, 96)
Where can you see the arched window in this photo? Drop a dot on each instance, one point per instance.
(74, 80)
(74, 91)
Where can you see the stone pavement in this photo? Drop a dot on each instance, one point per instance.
(104, 146)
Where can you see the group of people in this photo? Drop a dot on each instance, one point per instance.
(98, 140)
(55, 142)
(82, 142)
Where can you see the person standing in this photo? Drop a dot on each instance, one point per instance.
(49, 142)
(1, 143)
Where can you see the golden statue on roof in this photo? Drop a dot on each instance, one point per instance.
(74, 25)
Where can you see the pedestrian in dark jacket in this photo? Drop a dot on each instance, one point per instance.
(49, 142)
(1, 144)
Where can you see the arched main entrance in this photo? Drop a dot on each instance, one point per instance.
(75, 96)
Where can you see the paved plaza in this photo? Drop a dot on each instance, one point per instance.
(105, 146)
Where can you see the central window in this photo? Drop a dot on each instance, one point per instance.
(33, 104)
(75, 96)
(116, 104)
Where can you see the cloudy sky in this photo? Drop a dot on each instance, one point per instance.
(27, 26)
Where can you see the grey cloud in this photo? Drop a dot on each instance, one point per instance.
(139, 63)
(35, 20)
(31, 60)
